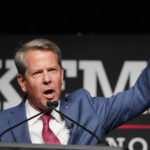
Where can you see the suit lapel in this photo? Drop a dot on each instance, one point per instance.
(78, 112)
(21, 133)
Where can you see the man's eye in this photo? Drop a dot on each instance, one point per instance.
(36, 73)
(52, 70)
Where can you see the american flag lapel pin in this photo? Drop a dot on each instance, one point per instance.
(68, 105)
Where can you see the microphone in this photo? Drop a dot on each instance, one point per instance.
(20, 123)
(54, 104)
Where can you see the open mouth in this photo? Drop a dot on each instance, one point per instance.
(49, 94)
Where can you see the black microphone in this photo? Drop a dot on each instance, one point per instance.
(54, 104)
(20, 123)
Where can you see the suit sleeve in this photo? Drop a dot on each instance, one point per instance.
(124, 106)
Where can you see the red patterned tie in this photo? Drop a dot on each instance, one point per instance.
(48, 136)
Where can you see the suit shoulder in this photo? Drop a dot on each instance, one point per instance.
(7, 112)
(79, 92)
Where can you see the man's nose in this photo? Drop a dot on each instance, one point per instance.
(46, 78)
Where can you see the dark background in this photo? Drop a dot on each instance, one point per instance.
(73, 17)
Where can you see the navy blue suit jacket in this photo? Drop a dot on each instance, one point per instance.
(98, 114)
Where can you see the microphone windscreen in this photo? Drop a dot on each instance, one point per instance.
(52, 104)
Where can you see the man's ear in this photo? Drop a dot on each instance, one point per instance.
(21, 82)
(62, 75)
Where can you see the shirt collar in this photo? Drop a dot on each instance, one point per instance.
(30, 111)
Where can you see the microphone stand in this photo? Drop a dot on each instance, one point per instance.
(18, 124)
(54, 104)
(51, 106)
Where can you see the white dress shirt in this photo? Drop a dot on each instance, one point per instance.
(57, 125)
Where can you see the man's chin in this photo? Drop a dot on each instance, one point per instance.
(52, 100)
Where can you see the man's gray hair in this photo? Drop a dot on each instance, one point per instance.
(40, 44)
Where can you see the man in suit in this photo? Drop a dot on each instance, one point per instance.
(40, 76)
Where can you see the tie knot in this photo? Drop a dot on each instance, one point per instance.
(45, 118)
